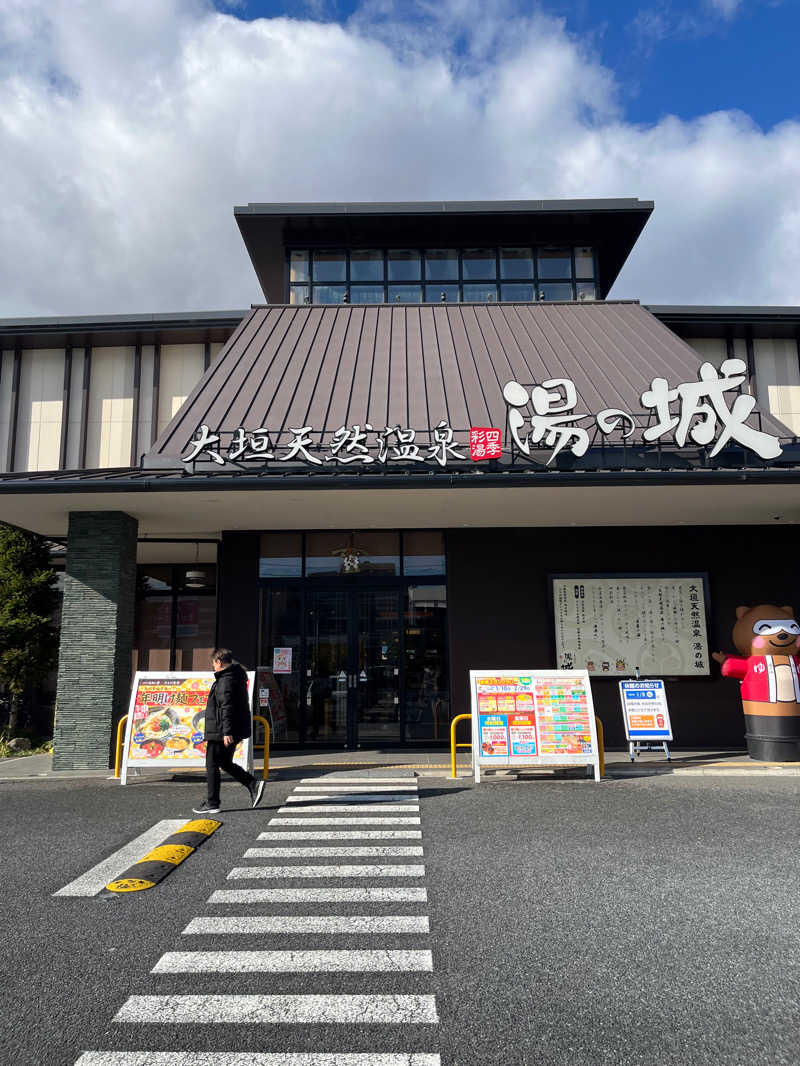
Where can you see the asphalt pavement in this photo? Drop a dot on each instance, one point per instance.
(635, 922)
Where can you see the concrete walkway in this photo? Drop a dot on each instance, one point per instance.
(430, 763)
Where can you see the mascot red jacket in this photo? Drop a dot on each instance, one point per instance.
(768, 638)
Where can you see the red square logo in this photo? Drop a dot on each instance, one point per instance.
(485, 443)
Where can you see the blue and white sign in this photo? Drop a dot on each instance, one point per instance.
(645, 710)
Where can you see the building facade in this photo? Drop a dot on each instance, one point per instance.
(437, 446)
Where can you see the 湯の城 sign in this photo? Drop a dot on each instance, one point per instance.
(613, 625)
(166, 719)
(540, 418)
(532, 718)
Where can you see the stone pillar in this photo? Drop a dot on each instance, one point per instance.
(94, 668)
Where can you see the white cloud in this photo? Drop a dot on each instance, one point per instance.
(726, 8)
(129, 132)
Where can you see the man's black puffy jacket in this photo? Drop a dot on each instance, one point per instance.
(228, 707)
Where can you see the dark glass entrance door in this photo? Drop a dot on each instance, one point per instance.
(353, 665)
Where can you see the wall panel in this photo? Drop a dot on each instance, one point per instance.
(778, 376)
(6, 370)
(711, 349)
(41, 392)
(108, 442)
(181, 369)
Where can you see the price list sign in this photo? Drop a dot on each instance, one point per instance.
(532, 718)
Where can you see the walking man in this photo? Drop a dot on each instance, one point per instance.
(227, 722)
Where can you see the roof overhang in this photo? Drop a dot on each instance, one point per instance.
(612, 226)
(204, 509)
(106, 330)
(698, 320)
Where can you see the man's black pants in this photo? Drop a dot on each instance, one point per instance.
(218, 757)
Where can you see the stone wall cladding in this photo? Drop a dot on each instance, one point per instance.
(97, 627)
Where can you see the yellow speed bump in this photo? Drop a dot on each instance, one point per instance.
(157, 863)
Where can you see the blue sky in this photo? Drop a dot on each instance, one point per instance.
(129, 130)
(684, 59)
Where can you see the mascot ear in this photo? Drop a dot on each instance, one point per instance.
(789, 610)
(740, 612)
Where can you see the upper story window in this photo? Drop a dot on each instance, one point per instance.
(442, 275)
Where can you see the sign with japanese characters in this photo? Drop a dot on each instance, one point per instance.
(645, 710)
(612, 626)
(542, 419)
(166, 718)
(532, 718)
(281, 660)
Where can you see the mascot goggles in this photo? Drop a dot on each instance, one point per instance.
(771, 626)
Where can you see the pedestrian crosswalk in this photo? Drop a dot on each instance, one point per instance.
(339, 939)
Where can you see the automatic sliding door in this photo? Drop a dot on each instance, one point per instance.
(377, 690)
(328, 673)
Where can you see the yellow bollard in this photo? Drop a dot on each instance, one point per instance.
(458, 718)
(258, 718)
(118, 755)
(600, 745)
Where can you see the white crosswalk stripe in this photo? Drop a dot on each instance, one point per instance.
(350, 819)
(287, 925)
(330, 816)
(250, 1058)
(362, 870)
(319, 895)
(324, 852)
(328, 808)
(354, 797)
(333, 787)
(344, 834)
(279, 1010)
(318, 961)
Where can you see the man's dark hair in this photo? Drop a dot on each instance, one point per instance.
(222, 655)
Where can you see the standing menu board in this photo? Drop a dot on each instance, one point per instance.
(532, 718)
(166, 719)
(613, 625)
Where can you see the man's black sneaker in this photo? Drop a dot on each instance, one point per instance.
(206, 808)
(256, 792)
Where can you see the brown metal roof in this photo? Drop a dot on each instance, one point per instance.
(415, 365)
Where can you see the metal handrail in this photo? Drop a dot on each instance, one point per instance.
(601, 749)
(118, 753)
(458, 718)
(265, 745)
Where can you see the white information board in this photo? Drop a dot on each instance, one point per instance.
(614, 625)
(166, 718)
(532, 718)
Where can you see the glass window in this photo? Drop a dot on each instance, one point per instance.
(516, 293)
(427, 672)
(153, 641)
(298, 294)
(405, 294)
(329, 266)
(555, 292)
(584, 263)
(555, 263)
(280, 555)
(195, 630)
(480, 294)
(433, 294)
(153, 579)
(278, 694)
(329, 294)
(423, 553)
(516, 263)
(366, 294)
(441, 264)
(298, 266)
(586, 290)
(366, 266)
(373, 552)
(478, 263)
(404, 265)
